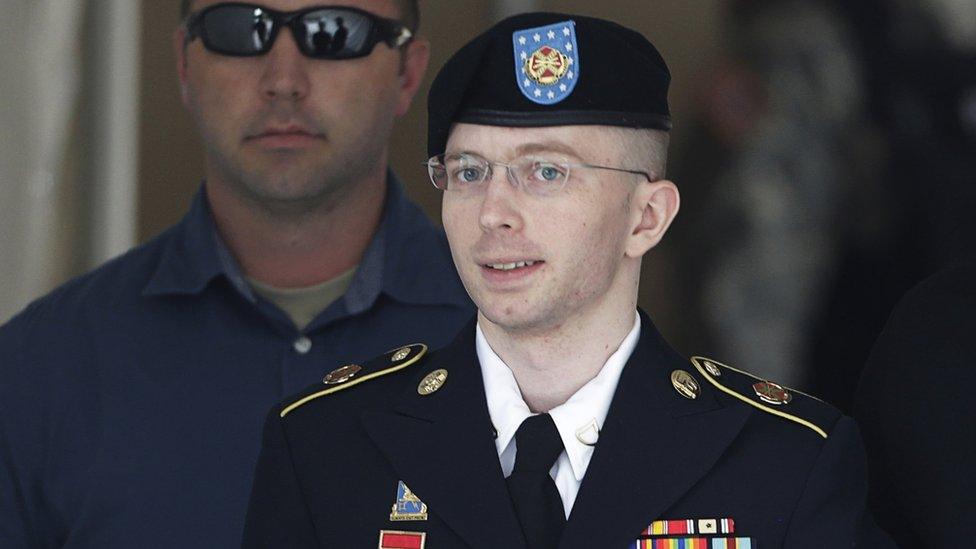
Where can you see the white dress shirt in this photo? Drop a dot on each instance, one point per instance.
(579, 419)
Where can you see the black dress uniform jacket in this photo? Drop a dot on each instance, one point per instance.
(329, 469)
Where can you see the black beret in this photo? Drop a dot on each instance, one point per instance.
(550, 69)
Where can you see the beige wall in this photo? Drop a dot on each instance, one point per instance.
(686, 32)
(170, 159)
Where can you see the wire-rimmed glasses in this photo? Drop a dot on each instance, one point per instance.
(469, 173)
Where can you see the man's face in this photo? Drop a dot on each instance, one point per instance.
(282, 127)
(576, 239)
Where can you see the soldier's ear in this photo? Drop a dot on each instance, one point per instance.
(416, 57)
(653, 209)
(179, 48)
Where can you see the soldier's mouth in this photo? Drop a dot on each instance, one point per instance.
(511, 266)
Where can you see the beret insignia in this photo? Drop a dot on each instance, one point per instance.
(525, 72)
(546, 62)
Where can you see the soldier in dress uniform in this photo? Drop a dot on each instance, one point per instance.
(559, 417)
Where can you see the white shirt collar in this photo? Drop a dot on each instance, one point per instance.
(578, 420)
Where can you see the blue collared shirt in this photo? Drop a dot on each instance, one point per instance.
(132, 398)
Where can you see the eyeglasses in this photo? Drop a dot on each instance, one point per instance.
(322, 32)
(468, 173)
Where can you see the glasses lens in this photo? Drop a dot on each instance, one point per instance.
(437, 172)
(334, 33)
(464, 171)
(542, 176)
(237, 30)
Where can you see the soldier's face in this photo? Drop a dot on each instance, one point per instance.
(573, 243)
(285, 127)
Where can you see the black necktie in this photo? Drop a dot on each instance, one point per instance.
(534, 494)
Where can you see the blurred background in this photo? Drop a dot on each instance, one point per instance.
(825, 152)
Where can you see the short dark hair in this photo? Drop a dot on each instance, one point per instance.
(409, 12)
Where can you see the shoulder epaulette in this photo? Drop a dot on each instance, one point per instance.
(767, 396)
(351, 375)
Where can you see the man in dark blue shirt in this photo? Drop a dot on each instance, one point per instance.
(132, 398)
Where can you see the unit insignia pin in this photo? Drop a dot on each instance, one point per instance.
(400, 354)
(396, 539)
(432, 382)
(546, 62)
(685, 384)
(770, 392)
(408, 506)
(711, 368)
(342, 374)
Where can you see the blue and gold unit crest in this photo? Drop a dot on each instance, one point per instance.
(546, 62)
(407, 506)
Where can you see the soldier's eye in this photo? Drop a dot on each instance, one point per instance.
(548, 172)
(470, 174)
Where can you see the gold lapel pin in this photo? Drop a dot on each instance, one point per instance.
(432, 382)
(685, 384)
(400, 354)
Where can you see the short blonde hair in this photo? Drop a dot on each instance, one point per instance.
(643, 149)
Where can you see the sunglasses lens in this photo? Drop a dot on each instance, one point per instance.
(237, 30)
(334, 33)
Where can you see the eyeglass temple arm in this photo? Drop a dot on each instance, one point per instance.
(399, 35)
(646, 176)
(635, 172)
(191, 27)
(624, 170)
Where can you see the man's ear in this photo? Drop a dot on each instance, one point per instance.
(655, 205)
(413, 67)
(179, 48)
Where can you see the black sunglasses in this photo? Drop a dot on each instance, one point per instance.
(322, 32)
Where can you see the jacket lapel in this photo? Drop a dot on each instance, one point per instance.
(442, 447)
(654, 446)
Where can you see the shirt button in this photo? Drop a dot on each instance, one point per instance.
(302, 345)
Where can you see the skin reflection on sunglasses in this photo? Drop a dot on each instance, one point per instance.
(283, 127)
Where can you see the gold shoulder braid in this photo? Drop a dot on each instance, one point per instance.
(767, 396)
(350, 375)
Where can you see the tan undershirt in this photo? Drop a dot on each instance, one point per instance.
(304, 304)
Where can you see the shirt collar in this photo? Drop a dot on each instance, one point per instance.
(407, 258)
(579, 419)
(190, 257)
